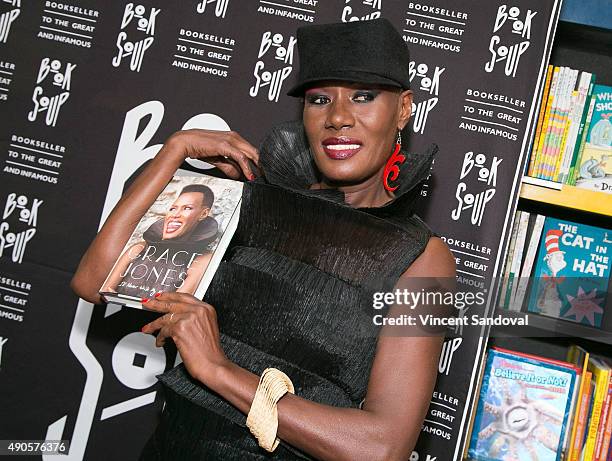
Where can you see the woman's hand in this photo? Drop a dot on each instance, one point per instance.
(226, 150)
(192, 325)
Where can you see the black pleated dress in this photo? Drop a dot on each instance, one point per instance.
(294, 292)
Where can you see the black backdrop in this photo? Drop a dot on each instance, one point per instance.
(90, 90)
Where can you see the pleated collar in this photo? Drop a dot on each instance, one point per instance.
(287, 162)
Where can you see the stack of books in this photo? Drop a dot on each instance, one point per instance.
(557, 268)
(573, 132)
(532, 407)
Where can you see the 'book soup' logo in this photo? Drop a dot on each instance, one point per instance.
(428, 81)
(143, 25)
(274, 65)
(509, 47)
(476, 195)
(220, 7)
(27, 214)
(368, 9)
(46, 98)
(7, 18)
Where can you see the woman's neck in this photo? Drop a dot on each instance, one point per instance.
(367, 194)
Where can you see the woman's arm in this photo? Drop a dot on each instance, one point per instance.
(224, 149)
(115, 276)
(398, 395)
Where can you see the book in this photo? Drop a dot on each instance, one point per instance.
(504, 295)
(179, 242)
(523, 407)
(595, 170)
(540, 121)
(534, 232)
(579, 357)
(572, 272)
(587, 109)
(544, 134)
(576, 112)
(515, 265)
(604, 432)
(601, 376)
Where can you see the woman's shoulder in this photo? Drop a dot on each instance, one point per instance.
(436, 260)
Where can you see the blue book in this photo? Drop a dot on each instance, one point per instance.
(572, 272)
(523, 409)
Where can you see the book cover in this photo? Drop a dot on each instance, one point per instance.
(572, 272)
(504, 296)
(595, 170)
(178, 243)
(523, 408)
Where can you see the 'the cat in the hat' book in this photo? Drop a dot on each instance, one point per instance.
(572, 272)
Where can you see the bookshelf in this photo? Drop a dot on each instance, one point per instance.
(569, 197)
(582, 41)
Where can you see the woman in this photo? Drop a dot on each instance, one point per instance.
(172, 255)
(326, 227)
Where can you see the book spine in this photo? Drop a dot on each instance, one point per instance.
(601, 390)
(570, 420)
(503, 297)
(553, 125)
(575, 116)
(580, 133)
(534, 148)
(570, 82)
(517, 258)
(530, 255)
(546, 123)
(576, 448)
(563, 122)
(603, 423)
(585, 132)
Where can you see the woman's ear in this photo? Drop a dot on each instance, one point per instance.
(405, 108)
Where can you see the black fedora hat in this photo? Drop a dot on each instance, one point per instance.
(361, 51)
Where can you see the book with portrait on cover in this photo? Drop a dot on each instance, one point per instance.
(179, 242)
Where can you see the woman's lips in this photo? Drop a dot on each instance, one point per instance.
(173, 226)
(341, 148)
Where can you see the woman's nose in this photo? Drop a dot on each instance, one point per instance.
(340, 115)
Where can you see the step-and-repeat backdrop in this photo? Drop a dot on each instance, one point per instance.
(90, 90)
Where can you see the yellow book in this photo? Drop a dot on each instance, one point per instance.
(601, 376)
(578, 355)
(544, 134)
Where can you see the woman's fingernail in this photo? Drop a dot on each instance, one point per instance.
(142, 329)
(158, 293)
(144, 300)
(251, 177)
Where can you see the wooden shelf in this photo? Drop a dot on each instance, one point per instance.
(570, 197)
(542, 326)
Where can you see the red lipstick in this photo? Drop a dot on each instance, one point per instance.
(341, 148)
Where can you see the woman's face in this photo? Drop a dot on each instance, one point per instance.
(352, 128)
(184, 215)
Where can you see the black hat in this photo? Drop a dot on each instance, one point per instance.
(359, 51)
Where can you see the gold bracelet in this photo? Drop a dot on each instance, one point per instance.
(262, 419)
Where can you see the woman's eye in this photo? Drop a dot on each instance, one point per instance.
(364, 96)
(317, 99)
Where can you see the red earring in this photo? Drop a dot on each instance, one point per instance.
(392, 167)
